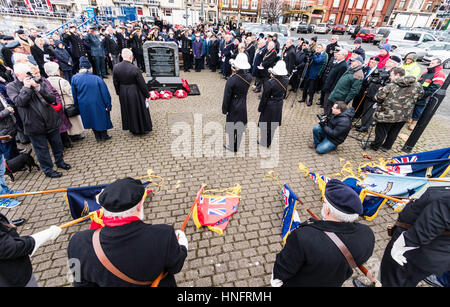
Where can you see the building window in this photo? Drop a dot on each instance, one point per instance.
(401, 4)
(350, 4)
(226, 3)
(254, 4)
(234, 3)
(336, 3)
(332, 17)
(245, 4)
(346, 18)
(369, 4)
(380, 5)
(303, 5)
(430, 3)
(359, 4)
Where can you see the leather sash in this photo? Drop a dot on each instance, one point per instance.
(344, 250)
(109, 266)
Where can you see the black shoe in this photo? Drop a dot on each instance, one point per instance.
(106, 137)
(65, 166)
(319, 104)
(18, 222)
(361, 129)
(384, 149)
(309, 104)
(75, 138)
(359, 284)
(358, 126)
(54, 174)
(371, 146)
(301, 101)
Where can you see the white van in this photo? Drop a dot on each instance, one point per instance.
(397, 38)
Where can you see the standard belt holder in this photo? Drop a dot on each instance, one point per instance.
(390, 228)
(344, 250)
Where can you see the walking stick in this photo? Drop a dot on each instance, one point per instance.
(186, 220)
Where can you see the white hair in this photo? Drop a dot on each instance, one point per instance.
(21, 68)
(127, 53)
(339, 215)
(130, 212)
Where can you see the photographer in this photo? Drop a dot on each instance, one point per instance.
(395, 102)
(302, 56)
(41, 122)
(312, 74)
(376, 80)
(330, 132)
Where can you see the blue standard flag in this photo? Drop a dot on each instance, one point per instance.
(432, 164)
(291, 219)
(82, 200)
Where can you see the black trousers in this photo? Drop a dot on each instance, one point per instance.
(386, 134)
(40, 146)
(198, 64)
(235, 132)
(100, 135)
(140, 61)
(393, 274)
(267, 131)
(326, 103)
(367, 113)
(309, 89)
(186, 61)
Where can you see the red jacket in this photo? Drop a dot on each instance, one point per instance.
(432, 80)
(383, 60)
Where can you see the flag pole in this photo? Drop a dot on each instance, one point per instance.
(156, 282)
(386, 196)
(83, 218)
(32, 193)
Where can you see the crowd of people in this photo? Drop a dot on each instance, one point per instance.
(52, 89)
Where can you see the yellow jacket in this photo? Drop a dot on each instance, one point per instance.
(412, 69)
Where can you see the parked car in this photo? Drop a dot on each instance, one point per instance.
(321, 28)
(421, 49)
(443, 55)
(366, 34)
(338, 29)
(443, 36)
(294, 25)
(281, 29)
(411, 38)
(351, 29)
(380, 34)
(305, 28)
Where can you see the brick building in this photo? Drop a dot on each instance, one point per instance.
(239, 10)
(361, 12)
(413, 13)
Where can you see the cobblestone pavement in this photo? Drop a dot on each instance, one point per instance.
(245, 253)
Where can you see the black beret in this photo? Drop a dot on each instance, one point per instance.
(8, 38)
(122, 194)
(342, 197)
(20, 31)
(314, 38)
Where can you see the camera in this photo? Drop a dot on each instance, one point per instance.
(37, 80)
(323, 119)
(380, 77)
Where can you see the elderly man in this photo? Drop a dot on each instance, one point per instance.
(257, 73)
(74, 39)
(132, 91)
(338, 68)
(311, 258)
(268, 61)
(112, 46)
(288, 55)
(96, 51)
(40, 121)
(350, 83)
(139, 251)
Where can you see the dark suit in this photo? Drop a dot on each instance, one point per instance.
(336, 72)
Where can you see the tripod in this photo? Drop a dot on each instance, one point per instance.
(365, 141)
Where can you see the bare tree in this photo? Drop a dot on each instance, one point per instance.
(272, 9)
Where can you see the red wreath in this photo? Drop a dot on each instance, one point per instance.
(154, 95)
(165, 94)
(57, 107)
(180, 94)
(185, 85)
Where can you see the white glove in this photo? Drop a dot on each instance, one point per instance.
(41, 237)
(275, 282)
(260, 67)
(399, 248)
(182, 240)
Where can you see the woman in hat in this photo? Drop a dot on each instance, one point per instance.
(384, 55)
(234, 104)
(271, 104)
(64, 60)
(91, 96)
(62, 86)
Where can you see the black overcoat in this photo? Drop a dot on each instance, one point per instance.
(140, 251)
(269, 60)
(311, 259)
(15, 264)
(234, 103)
(132, 90)
(214, 53)
(271, 103)
(289, 58)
